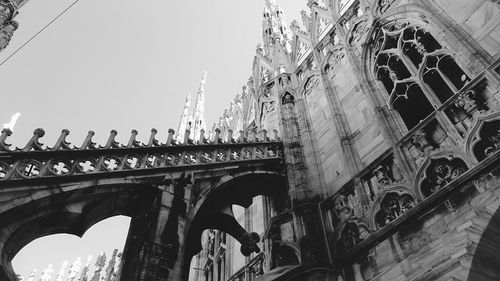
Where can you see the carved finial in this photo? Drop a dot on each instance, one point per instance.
(132, 142)
(186, 137)
(230, 136)
(275, 133)
(88, 143)
(111, 143)
(241, 138)
(152, 138)
(264, 135)
(33, 143)
(3, 137)
(202, 137)
(61, 142)
(217, 136)
(170, 139)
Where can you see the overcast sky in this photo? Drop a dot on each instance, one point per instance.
(121, 64)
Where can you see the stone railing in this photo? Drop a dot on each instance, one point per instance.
(35, 162)
(251, 270)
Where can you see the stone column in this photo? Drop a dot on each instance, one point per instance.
(154, 245)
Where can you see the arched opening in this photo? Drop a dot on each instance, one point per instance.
(71, 212)
(417, 72)
(74, 252)
(486, 260)
(235, 209)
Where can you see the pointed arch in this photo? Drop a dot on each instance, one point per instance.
(480, 141)
(380, 213)
(439, 169)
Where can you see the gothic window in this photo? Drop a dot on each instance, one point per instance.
(392, 206)
(440, 172)
(489, 140)
(413, 68)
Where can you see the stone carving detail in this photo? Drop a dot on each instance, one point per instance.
(312, 83)
(337, 55)
(249, 243)
(419, 139)
(467, 101)
(61, 160)
(6, 14)
(288, 99)
(350, 229)
(485, 138)
(384, 5)
(440, 172)
(392, 206)
(6, 33)
(358, 32)
(419, 48)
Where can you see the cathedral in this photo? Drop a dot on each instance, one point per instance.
(365, 146)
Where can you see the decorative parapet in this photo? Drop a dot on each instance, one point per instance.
(35, 161)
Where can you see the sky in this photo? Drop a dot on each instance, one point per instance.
(122, 64)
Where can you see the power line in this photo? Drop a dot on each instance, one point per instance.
(38, 33)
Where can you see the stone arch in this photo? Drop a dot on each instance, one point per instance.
(214, 207)
(411, 14)
(485, 264)
(480, 139)
(404, 195)
(71, 212)
(438, 169)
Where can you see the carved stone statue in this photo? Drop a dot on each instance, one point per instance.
(5, 15)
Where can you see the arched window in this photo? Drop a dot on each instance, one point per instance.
(415, 70)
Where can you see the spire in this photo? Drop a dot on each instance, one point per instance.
(199, 111)
(183, 124)
(274, 25)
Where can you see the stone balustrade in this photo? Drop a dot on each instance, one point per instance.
(36, 161)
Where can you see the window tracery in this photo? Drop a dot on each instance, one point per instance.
(488, 140)
(441, 172)
(392, 206)
(415, 70)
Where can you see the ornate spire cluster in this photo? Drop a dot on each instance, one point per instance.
(275, 27)
(76, 271)
(193, 118)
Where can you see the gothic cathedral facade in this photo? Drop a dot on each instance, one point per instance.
(389, 112)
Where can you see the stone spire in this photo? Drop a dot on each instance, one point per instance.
(275, 27)
(84, 276)
(99, 265)
(111, 266)
(199, 110)
(183, 124)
